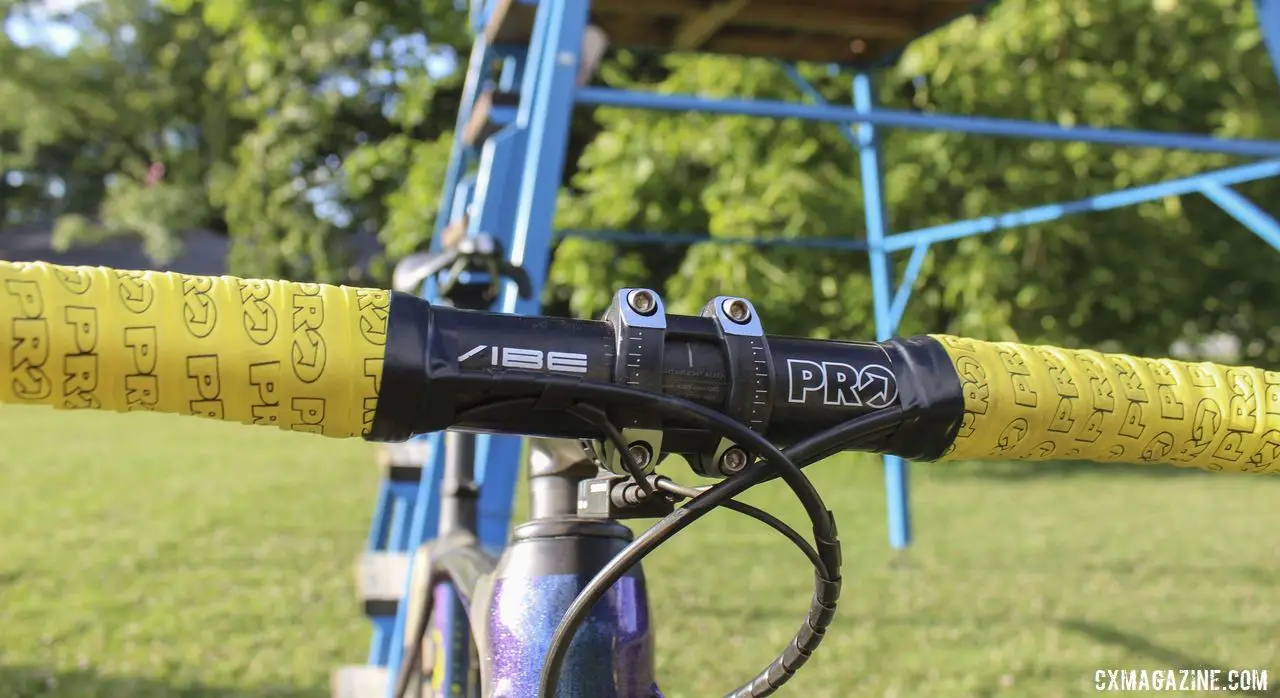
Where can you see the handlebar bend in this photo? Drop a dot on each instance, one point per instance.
(306, 357)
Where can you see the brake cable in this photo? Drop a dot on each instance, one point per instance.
(600, 419)
(827, 586)
(773, 463)
(760, 515)
(826, 589)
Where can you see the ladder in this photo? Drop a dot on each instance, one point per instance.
(502, 180)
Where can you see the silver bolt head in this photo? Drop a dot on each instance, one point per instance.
(737, 310)
(733, 460)
(642, 302)
(640, 452)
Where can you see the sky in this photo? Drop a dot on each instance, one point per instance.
(36, 26)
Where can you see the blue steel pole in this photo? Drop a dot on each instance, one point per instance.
(546, 119)
(895, 118)
(895, 469)
(545, 111)
(381, 524)
(424, 505)
(1269, 23)
(634, 237)
(391, 514)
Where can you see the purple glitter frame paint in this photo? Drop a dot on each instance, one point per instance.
(450, 624)
(611, 655)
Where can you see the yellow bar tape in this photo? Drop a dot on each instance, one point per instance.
(304, 357)
(1039, 403)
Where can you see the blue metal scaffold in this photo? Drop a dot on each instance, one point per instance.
(524, 79)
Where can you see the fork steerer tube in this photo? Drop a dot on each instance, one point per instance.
(460, 492)
(441, 364)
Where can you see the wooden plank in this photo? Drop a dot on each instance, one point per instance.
(510, 23)
(746, 42)
(895, 20)
(635, 31)
(359, 681)
(380, 579)
(796, 30)
(828, 19)
(797, 47)
(454, 231)
(403, 461)
(694, 31)
(648, 8)
(418, 598)
(491, 112)
(478, 118)
(851, 19)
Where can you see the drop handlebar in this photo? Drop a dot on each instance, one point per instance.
(384, 366)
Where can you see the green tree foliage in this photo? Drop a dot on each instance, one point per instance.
(288, 125)
(99, 120)
(294, 126)
(1139, 276)
(350, 129)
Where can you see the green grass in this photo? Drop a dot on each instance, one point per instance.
(147, 556)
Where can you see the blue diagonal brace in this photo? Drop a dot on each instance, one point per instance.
(1102, 202)
(1250, 216)
(814, 96)
(918, 254)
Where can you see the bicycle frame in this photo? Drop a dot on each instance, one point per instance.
(511, 605)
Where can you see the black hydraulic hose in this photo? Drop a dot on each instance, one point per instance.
(824, 529)
(756, 513)
(673, 524)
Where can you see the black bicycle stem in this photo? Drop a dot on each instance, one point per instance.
(442, 369)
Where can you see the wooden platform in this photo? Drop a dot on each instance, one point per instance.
(359, 682)
(403, 461)
(826, 31)
(380, 579)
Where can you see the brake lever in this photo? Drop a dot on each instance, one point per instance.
(524, 285)
(414, 270)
